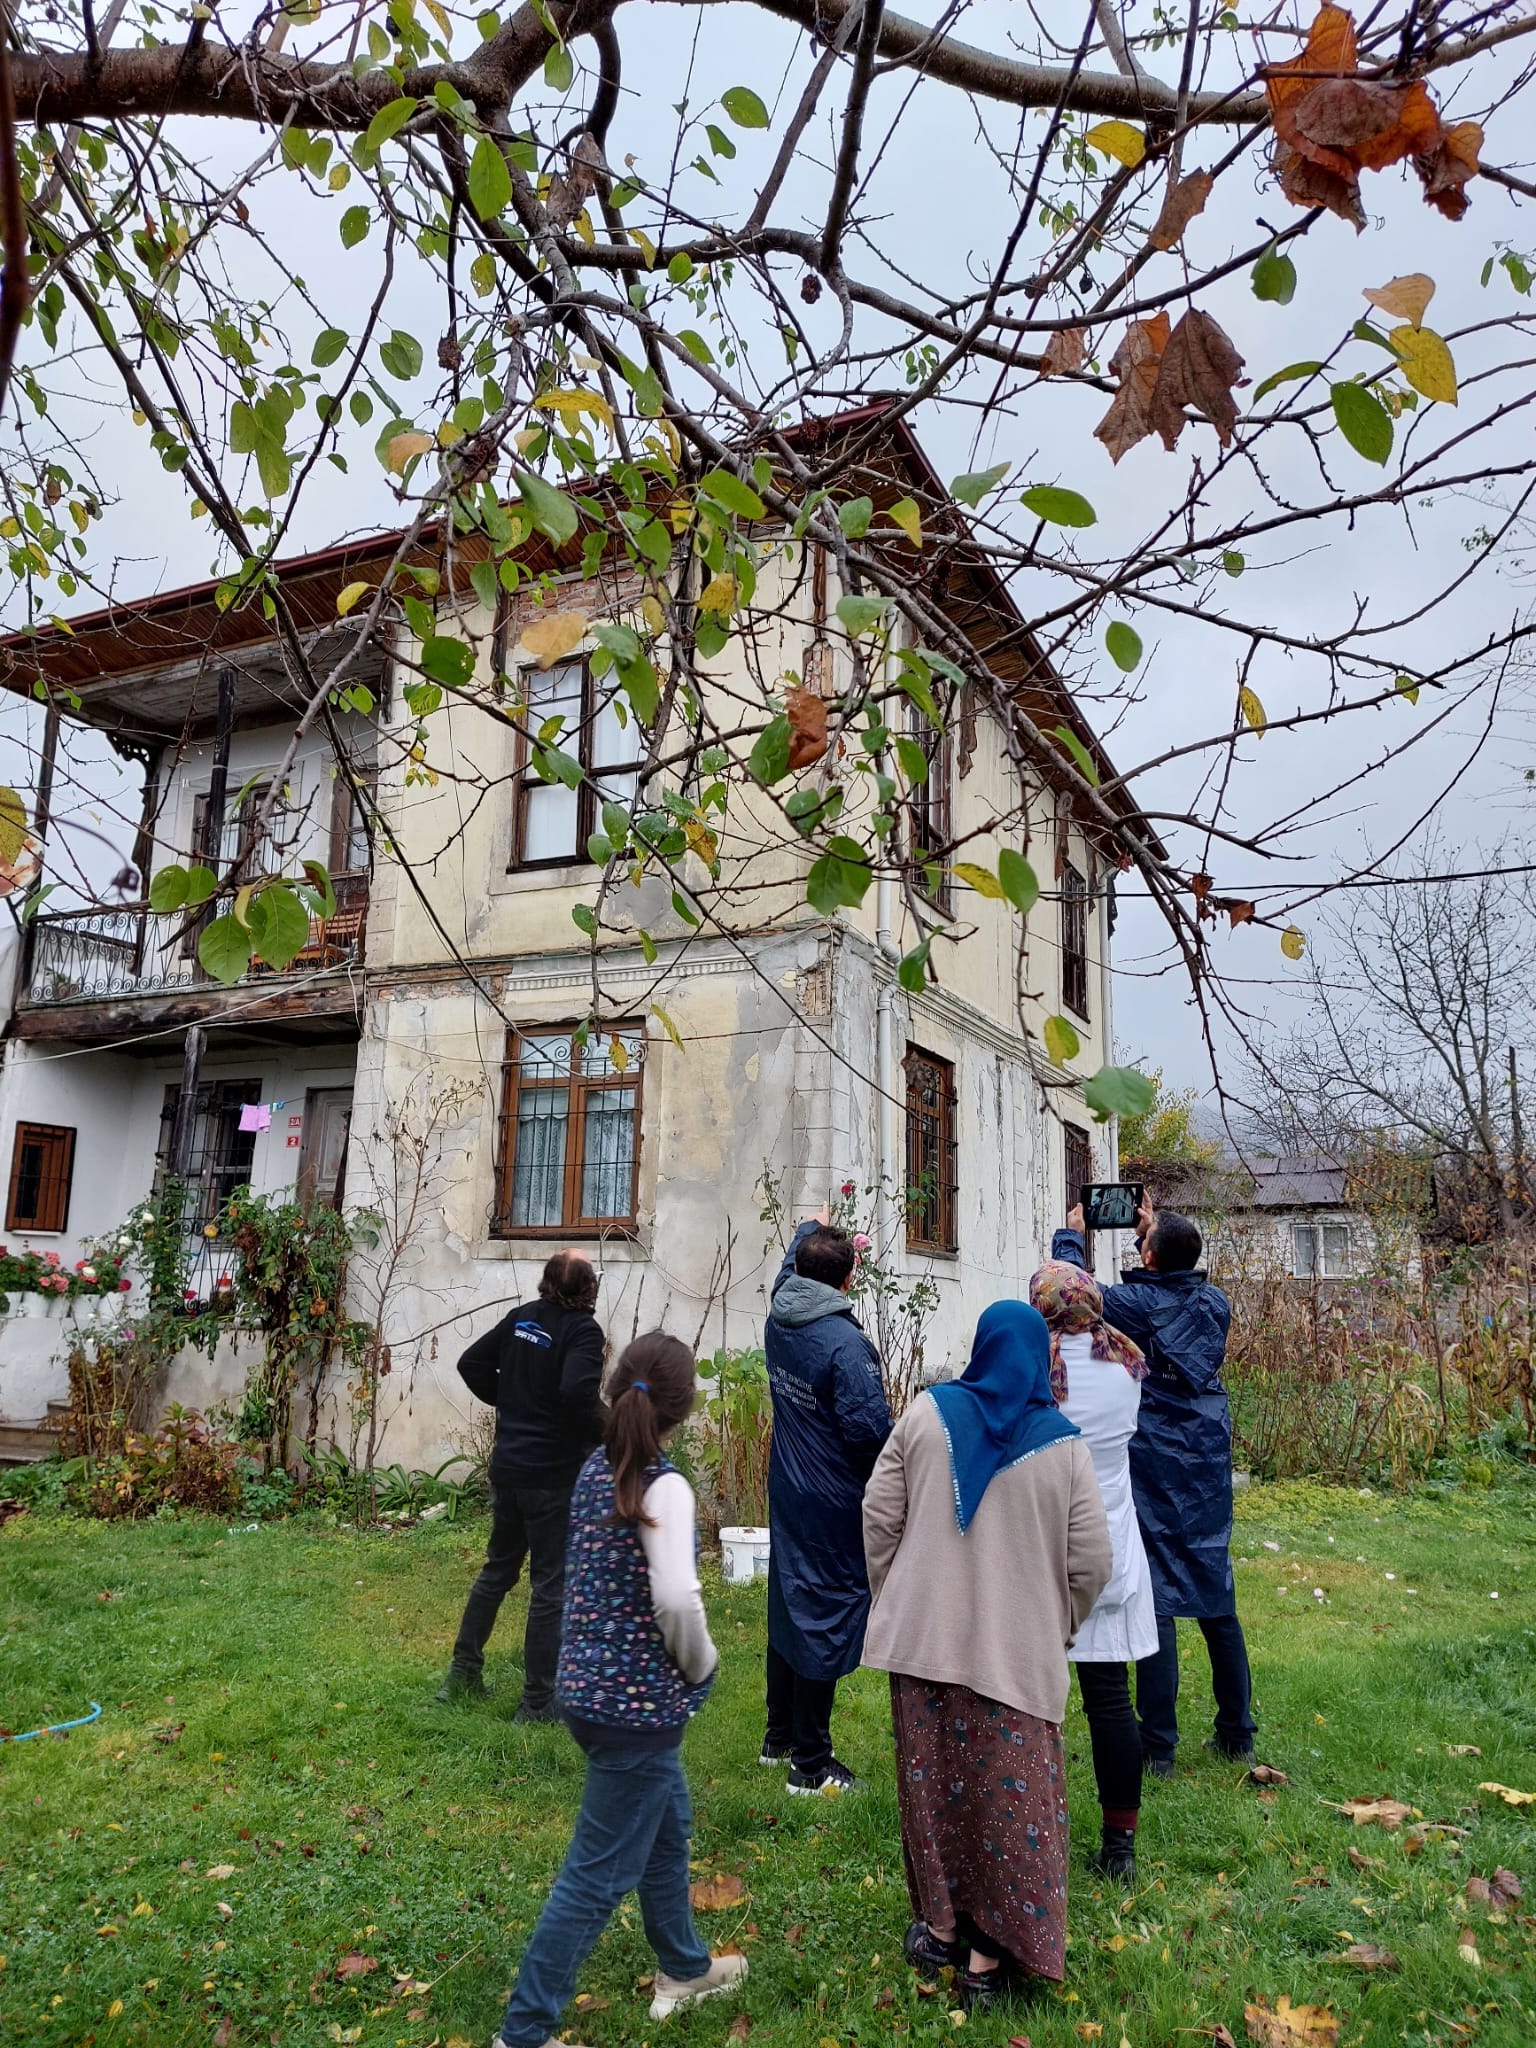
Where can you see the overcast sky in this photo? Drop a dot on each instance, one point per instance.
(939, 204)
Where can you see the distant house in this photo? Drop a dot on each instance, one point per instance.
(1302, 1214)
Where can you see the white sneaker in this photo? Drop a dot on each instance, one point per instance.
(672, 1993)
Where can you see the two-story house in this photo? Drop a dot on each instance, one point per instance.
(761, 1052)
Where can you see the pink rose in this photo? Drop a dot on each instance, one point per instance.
(861, 1242)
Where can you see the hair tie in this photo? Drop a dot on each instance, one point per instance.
(639, 1386)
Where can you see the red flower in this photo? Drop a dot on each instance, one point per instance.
(123, 1286)
(848, 1187)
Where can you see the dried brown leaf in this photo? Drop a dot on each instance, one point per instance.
(223, 2032)
(1283, 2025)
(740, 2027)
(1066, 350)
(1363, 1862)
(1181, 202)
(1404, 298)
(714, 1894)
(1448, 167)
(1389, 1813)
(807, 715)
(1498, 1892)
(1136, 363)
(353, 1964)
(1266, 1774)
(1199, 368)
(1365, 1955)
(549, 635)
(1462, 1749)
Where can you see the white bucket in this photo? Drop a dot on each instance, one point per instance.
(744, 1554)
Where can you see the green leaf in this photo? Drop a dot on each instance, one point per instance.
(744, 107)
(768, 761)
(647, 947)
(981, 879)
(1286, 376)
(616, 823)
(1018, 879)
(490, 182)
(854, 517)
(201, 883)
(840, 879)
(1060, 507)
(973, 487)
(1274, 277)
(328, 347)
(642, 687)
(167, 892)
(401, 355)
(224, 950)
(622, 642)
(1364, 331)
(558, 765)
(860, 614)
(647, 387)
(483, 582)
(1071, 745)
(1124, 645)
(559, 68)
(1118, 1091)
(551, 511)
(680, 269)
(1233, 562)
(447, 660)
(728, 489)
(1061, 1040)
(914, 762)
(1364, 421)
(319, 877)
(599, 849)
(1405, 686)
(278, 925)
(913, 971)
(388, 122)
(584, 919)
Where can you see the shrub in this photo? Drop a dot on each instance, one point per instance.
(184, 1464)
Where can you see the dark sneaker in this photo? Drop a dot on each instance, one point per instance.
(1158, 1766)
(535, 1715)
(1230, 1752)
(773, 1754)
(461, 1685)
(981, 1990)
(828, 1783)
(928, 1955)
(1115, 1858)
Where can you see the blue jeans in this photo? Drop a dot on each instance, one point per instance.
(1157, 1686)
(631, 1835)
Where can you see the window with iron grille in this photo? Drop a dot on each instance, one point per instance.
(551, 824)
(930, 814)
(569, 1154)
(220, 1154)
(931, 1154)
(1074, 941)
(1078, 1156)
(42, 1169)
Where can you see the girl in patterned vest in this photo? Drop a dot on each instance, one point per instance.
(636, 1663)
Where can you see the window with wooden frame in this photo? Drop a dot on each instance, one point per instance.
(42, 1169)
(552, 823)
(930, 814)
(349, 849)
(568, 1161)
(1074, 941)
(932, 1154)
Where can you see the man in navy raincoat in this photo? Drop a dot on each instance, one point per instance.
(1181, 1475)
(829, 1421)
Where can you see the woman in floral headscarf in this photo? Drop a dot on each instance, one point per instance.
(1096, 1377)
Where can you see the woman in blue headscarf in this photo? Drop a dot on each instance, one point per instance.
(987, 1545)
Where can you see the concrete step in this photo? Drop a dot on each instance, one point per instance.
(25, 1443)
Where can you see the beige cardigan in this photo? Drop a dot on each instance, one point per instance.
(993, 1609)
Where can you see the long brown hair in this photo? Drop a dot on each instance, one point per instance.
(650, 1393)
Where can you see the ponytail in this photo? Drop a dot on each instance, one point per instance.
(650, 1393)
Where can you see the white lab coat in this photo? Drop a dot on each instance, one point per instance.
(1103, 1400)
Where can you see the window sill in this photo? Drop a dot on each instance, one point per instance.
(623, 1247)
(935, 1251)
(554, 874)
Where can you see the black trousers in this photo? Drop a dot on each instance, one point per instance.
(800, 1714)
(1116, 1739)
(1157, 1686)
(528, 1525)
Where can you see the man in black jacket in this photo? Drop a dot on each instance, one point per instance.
(541, 1368)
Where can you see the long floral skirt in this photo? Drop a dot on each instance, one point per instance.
(983, 1796)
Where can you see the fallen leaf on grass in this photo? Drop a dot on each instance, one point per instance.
(885, 1998)
(1391, 1813)
(168, 1731)
(740, 2027)
(1220, 2034)
(1413, 1845)
(1363, 1862)
(1283, 2025)
(1462, 1749)
(225, 1910)
(1266, 1774)
(1365, 1955)
(1509, 1795)
(714, 1894)
(354, 1965)
(1499, 1891)
(588, 2001)
(219, 1871)
(1466, 1948)
(222, 2032)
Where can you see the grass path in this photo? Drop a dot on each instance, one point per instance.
(268, 1714)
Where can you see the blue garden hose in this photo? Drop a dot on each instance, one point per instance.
(57, 1727)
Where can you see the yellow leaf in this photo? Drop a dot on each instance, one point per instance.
(645, 245)
(1293, 942)
(1061, 1040)
(1509, 1795)
(1127, 145)
(114, 2009)
(13, 824)
(350, 596)
(1466, 1948)
(581, 227)
(1407, 687)
(655, 618)
(82, 518)
(340, 177)
(440, 15)
(9, 528)
(618, 1056)
(573, 403)
(143, 1910)
(404, 448)
(718, 595)
(448, 433)
(907, 514)
(242, 902)
(667, 1025)
(1252, 709)
(982, 880)
(1426, 361)
(701, 841)
(1405, 297)
(553, 634)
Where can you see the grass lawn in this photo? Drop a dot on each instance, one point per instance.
(271, 1789)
